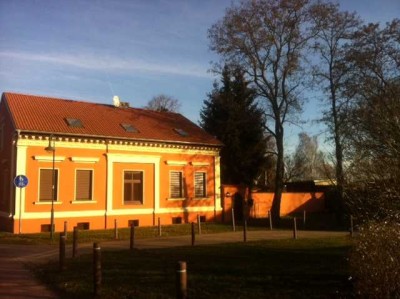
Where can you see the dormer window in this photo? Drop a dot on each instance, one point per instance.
(74, 122)
(181, 132)
(129, 128)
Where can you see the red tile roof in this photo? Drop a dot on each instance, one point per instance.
(48, 115)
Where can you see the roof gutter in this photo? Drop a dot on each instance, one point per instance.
(121, 138)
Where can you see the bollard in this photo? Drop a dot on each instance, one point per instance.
(304, 219)
(351, 226)
(193, 234)
(66, 229)
(270, 220)
(294, 228)
(115, 229)
(181, 281)
(159, 227)
(75, 242)
(233, 220)
(198, 224)
(62, 252)
(245, 230)
(132, 239)
(96, 269)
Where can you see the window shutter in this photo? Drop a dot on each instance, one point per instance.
(83, 184)
(46, 184)
(199, 184)
(176, 184)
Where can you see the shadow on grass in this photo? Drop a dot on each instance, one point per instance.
(266, 269)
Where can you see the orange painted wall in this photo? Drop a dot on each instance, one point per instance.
(148, 185)
(291, 202)
(94, 212)
(66, 185)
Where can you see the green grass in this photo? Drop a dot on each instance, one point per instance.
(87, 236)
(304, 268)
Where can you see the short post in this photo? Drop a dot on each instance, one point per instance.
(96, 269)
(304, 219)
(233, 220)
(75, 242)
(132, 239)
(244, 230)
(115, 229)
(294, 228)
(181, 281)
(193, 234)
(270, 219)
(66, 229)
(62, 252)
(351, 226)
(159, 227)
(198, 224)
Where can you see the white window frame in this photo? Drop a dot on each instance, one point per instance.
(134, 202)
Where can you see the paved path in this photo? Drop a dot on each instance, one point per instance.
(15, 280)
(18, 282)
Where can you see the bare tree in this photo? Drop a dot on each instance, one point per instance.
(163, 103)
(374, 122)
(307, 162)
(335, 30)
(267, 38)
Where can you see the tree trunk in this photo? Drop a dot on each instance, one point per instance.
(339, 159)
(276, 203)
(339, 178)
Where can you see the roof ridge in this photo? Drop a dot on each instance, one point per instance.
(52, 97)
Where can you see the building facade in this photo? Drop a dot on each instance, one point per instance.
(92, 164)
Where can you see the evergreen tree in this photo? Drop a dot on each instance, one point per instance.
(231, 114)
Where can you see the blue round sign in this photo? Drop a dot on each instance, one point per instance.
(21, 181)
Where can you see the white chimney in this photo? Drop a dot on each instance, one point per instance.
(116, 101)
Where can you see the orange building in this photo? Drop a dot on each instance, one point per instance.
(96, 163)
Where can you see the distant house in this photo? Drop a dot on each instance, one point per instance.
(111, 162)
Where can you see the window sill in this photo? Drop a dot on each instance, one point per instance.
(133, 203)
(176, 199)
(200, 198)
(47, 202)
(79, 202)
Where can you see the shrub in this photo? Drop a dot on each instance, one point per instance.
(375, 260)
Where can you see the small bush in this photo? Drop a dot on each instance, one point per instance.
(375, 260)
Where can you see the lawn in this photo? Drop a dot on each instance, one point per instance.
(303, 268)
(88, 236)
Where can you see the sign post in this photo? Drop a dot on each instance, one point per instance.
(20, 181)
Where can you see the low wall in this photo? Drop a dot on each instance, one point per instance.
(292, 202)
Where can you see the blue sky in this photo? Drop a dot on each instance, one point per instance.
(93, 49)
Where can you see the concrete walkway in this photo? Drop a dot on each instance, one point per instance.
(18, 282)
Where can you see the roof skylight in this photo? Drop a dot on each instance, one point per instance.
(181, 132)
(129, 128)
(74, 122)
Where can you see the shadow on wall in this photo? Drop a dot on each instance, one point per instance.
(292, 202)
